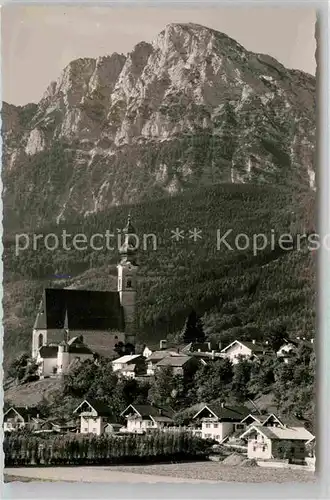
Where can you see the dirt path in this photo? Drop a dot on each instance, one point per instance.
(93, 475)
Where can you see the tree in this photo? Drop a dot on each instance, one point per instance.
(276, 335)
(213, 381)
(193, 329)
(241, 377)
(161, 388)
(23, 369)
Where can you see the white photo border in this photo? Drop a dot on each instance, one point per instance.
(320, 488)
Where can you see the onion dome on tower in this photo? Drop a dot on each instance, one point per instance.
(129, 247)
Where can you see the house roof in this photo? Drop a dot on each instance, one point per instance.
(149, 411)
(86, 310)
(203, 346)
(224, 412)
(48, 351)
(128, 358)
(175, 361)
(256, 347)
(158, 355)
(25, 413)
(79, 349)
(101, 408)
(285, 433)
(258, 418)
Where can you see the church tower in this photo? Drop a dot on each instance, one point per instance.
(39, 332)
(127, 279)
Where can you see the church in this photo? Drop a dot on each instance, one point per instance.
(77, 324)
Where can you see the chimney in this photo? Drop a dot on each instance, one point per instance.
(222, 405)
(304, 338)
(266, 342)
(213, 354)
(220, 346)
(312, 341)
(298, 338)
(209, 346)
(198, 350)
(162, 344)
(253, 341)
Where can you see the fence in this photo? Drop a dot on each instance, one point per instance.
(93, 450)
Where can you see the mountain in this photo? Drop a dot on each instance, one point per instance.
(192, 108)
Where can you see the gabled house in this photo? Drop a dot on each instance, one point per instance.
(58, 427)
(219, 420)
(129, 366)
(252, 418)
(56, 359)
(179, 364)
(287, 349)
(143, 418)
(157, 356)
(94, 415)
(281, 441)
(18, 417)
(243, 349)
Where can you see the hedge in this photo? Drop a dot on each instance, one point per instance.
(92, 450)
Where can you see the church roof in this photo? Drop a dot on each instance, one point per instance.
(85, 309)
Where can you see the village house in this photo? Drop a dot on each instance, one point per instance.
(244, 350)
(144, 418)
(18, 418)
(155, 357)
(179, 364)
(129, 366)
(287, 349)
(55, 427)
(56, 359)
(94, 416)
(265, 442)
(217, 421)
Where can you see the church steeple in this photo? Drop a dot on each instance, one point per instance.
(127, 278)
(66, 326)
(128, 248)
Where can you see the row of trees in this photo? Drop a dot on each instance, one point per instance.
(93, 450)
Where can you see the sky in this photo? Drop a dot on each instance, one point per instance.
(39, 41)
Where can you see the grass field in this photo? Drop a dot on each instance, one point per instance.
(200, 471)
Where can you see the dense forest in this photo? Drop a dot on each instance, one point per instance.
(238, 293)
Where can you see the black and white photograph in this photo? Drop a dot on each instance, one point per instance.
(160, 243)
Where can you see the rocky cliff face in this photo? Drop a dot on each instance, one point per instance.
(194, 107)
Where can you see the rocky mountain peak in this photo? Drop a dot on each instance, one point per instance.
(191, 107)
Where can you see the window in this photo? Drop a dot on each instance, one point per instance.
(217, 437)
(94, 429)
(85, 429)
(215, 426)
(40, 340)
(254, 448)
(208, 426)
(129, 284)
(240, 426)
(264, 448)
